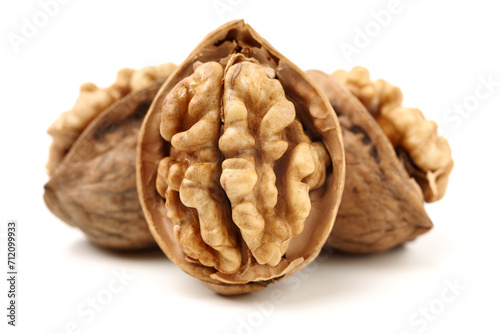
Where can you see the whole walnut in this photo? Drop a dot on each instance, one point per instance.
(394, 160)
(240, 164)
(92, 160)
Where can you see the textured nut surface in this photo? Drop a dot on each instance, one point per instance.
(238, 157)
(428, 155)
(382, 207)
(256, 117)
(196, 205)
(94, 100)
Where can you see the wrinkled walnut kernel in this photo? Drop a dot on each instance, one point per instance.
(254, 122)
(428, 155)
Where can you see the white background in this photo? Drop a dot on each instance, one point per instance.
(438, 53)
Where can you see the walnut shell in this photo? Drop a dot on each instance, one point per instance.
(94, 100)
(238, 157)
(94, 188)
(92, 160)
(382, 206)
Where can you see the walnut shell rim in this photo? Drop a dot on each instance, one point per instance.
(319, 116)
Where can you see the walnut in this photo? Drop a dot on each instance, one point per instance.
(92, 161)
(427, 155)
(92, 101)
(238, 157)
(382, 206)
(150, 74)
(375, 96)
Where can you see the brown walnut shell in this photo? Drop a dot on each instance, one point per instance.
(94, 185)
(382, 206)
(240, 164)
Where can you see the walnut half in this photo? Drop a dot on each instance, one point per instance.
(92, 160)
(382, 206)
(240, 164)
